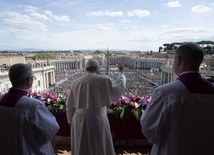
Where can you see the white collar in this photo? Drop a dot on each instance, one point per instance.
(188, 72)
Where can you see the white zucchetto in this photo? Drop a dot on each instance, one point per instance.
(92, 63)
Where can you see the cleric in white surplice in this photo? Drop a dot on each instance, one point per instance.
(27, 126)
(179, 120)
(86, 110)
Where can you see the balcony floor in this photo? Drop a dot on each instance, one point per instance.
(133, 147)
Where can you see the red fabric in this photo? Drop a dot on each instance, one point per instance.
(125, 129)
(64, 129)
(10, 99)
(196, 84)
(121, 129)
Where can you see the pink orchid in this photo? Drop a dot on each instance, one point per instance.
(133, 98)
(133, 104)
(114, 103)
(127, 101)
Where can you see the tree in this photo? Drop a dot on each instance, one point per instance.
(42, 56)
(168, 46)
(208, 46)
(160, 49)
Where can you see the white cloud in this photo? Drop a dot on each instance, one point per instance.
(105, 13)
(20, 21)
(95, 14)
(125, 28)
(188, 33)
(49, 13)
(165, 26)
(62, 18)
(62, 3)
(34, 12)
(114, 14)
(102, 27)
(32, 37)
(39, 16)
(201, 9)
(139, 13)
(174, 4)
(29, 8)
(48, 25)
(142, 27)
(125, 21)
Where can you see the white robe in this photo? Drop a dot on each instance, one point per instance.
(39, 126)
(177, 122)
(10, 132)
(86, 112)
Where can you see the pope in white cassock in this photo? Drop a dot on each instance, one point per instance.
(86, 110)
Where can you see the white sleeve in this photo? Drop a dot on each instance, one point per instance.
(122, 78)
(69, 108)
(117, 86)
(46, 124)
(152, 119)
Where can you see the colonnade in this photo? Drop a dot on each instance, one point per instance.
(167, 75)
(67, 64)
(49, 79)
(45, 77)
(149, 63)
(139, 62)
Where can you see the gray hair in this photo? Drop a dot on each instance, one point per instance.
(18, 73)
(191, 52)
(91, 65)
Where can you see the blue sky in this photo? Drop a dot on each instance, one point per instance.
(97, 24)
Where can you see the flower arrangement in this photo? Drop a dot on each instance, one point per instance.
(126, 107)
(53, 103)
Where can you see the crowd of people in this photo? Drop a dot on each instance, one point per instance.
(140, 82)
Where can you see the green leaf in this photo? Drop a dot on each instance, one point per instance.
(137, 113)
(56, 104)
(122, 112)
(61, 107)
